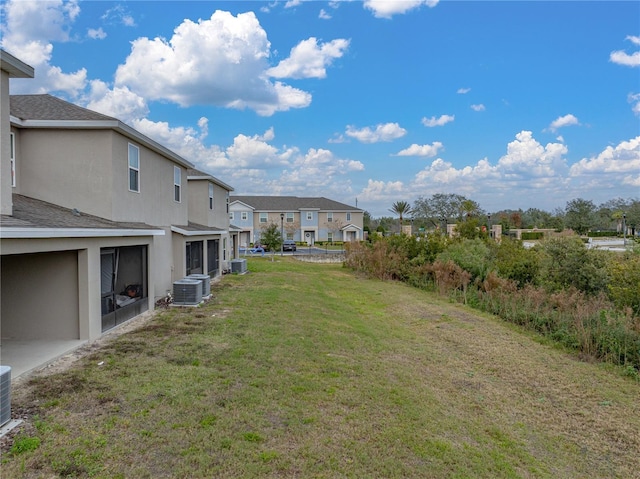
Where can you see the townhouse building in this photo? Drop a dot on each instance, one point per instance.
(97, 222)
(302, 219)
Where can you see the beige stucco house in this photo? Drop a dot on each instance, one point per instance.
(97, 222)
(303, 219)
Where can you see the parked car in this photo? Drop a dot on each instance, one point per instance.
(289, 245)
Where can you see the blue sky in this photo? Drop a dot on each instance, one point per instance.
(513, 104)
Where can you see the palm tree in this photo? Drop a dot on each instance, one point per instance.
(401, 208)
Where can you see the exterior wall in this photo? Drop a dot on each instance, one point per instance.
(67, 168)
(79, 297)
(179, 243)
(5, 165)
(199, 211)
(154, 204)
(247, 235)
(89, 170)
(40, 296)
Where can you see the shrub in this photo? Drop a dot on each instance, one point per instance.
(470, 255)
(566, 263)
(513, 261)
(624, 284)
(532, 235)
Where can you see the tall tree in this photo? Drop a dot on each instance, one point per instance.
(579, 215)
(401, 208)
(442, 207)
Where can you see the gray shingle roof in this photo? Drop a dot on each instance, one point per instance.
(47, 107)
(289, 203)
(32, 213)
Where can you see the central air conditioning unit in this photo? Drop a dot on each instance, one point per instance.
(206, 283)
(239, 266)
(5, 395)
(187, 292)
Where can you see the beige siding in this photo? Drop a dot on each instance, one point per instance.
(5, 165)
(199, 211)
(67, 168)
(40, 296)
(154, 204)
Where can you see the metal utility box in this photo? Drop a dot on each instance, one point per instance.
(206, 283)
(187, 291)
(5, 395)
(239, 266)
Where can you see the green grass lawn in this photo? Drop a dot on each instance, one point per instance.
(305, 370)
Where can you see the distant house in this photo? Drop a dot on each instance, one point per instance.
(97, 222)
(302, 219)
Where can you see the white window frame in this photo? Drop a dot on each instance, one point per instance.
(231, 215)
(330, 217)
(290, 217)
(244, 216)
(12, 157)
(177, 184)
(211, 196)
(348, 216)
(330, 236)
(134, 168)
(264, 218)
(309, 216)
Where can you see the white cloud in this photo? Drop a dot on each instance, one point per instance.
(478, 107)
(96, 34)
(382, 132)
(527, 158)
(119, 15)
(388, 8)
(309, 60)
(421, 150)
(442, 120)
(324, 15)
(463, 91)
(219, 61)
(623, 158)
(634, 99)
(623, 58)
(562, 121)
(120, 102)
(29, 29)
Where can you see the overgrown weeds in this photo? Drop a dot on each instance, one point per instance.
(586, 300)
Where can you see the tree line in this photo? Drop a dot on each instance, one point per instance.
(579, 214)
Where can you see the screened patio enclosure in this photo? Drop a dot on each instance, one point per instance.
(123, 284)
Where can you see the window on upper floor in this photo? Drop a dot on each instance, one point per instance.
(309, 216)
(329, 217)
(245, 216)
(210, 196)
(12, 156)
(290, 217)
(348, 216)
(177, 183)
(134, 168)
(263, 217)
(231, 215)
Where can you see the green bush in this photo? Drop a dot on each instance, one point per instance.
(532, 235)
(566, 263)
(472, 255)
